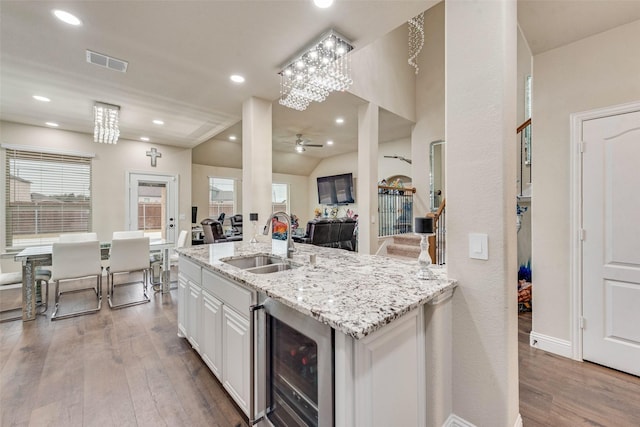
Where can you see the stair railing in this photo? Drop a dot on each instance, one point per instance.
(395, 210)
(437, 241)
(524, 130)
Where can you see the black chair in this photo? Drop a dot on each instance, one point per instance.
(212, 230)
(221, 218)
(236, 224)
(346, 238)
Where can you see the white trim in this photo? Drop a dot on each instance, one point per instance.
(456, 421)
(47, 150)
(551, 344)
(575, 224)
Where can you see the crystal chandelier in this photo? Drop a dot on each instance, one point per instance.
(105, 118)
(416, 39)
(320, 69)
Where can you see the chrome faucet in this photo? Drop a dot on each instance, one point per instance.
(267, 226)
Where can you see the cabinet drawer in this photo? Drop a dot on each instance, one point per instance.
(228, 292)
(189, 269)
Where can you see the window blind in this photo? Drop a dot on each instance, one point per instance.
(47, 194)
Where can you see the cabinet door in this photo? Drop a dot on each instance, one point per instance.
(235, 359)
(194, 317)
(182, 303)
(211, 338)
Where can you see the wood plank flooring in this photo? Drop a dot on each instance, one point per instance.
(128, 367)
(122, 367)
(556, 391)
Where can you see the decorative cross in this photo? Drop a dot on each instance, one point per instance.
(154, 154)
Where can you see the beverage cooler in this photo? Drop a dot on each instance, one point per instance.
(293, 361)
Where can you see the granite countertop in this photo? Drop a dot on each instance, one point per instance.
(353, 293)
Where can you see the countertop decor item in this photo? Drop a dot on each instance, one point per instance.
(423, 226)
(253, 217)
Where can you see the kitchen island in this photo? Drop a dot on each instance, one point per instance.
(383, 316)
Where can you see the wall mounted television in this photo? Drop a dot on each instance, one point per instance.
(336, 189)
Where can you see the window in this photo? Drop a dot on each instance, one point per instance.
(280, 197)
(221, 197)
(46, 194)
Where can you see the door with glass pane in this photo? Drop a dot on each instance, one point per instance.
(153, 205)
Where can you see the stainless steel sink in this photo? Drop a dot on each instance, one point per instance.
(271, 268)
(252, 261)
(260, 264)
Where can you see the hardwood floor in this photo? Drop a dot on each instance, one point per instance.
(122, 367)
(128, 367)
(556, 391)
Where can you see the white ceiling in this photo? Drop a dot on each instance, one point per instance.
(181, 54)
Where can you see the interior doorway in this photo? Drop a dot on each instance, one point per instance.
(153, 205)
(607, 256)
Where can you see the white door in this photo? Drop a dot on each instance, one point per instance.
(153, 205)
(611, 247)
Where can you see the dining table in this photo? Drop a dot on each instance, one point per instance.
(37, 256)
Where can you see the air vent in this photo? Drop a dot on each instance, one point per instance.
(107, 61)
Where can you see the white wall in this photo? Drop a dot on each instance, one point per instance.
(110, 165)
(298, 190)
(383, 75)
(595, 72)
(348, 163)
(430, 103)
(481, 67)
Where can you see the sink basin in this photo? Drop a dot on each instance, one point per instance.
(271, 268)
(253, 261)
(261, 264)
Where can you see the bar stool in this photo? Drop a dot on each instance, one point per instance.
(128, 255)
(73, 261)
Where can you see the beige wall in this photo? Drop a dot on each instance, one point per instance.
(430, 103)
(383, 75)
(298, 190)
(347, 163)
(595, 72)
(110, 165)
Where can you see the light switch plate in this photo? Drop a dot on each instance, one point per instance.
(478, 246)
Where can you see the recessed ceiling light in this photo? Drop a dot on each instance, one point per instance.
(323, 4)
(67, 17)
(52, 124)
(158, 122)
(330, 142)
(232, 137)
(41, 98)
(144, 138)
(236, 78)
(339, 120)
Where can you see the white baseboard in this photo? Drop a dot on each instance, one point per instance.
(456, 421)
(551, 344)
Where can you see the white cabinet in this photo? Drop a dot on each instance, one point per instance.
(190, 301)
(212, 333)
(183, 286)
(235, 359)
(194, 315)
(224, 334)
(380, 379)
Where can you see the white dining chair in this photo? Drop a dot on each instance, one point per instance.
(13, 280)
(72, 261)
(128, 255)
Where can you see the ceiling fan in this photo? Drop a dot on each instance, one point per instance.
(302, 143)
(404, 159)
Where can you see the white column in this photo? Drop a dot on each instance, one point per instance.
(256, 163)
(368, 116)
(481, 198)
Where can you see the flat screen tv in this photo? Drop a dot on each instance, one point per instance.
(336, 189)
